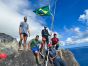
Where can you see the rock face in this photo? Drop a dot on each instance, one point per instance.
(23, 58)
(4, 38)
(8, 44)
(68, 57)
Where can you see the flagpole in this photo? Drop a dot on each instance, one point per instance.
(52, 27)
(52, 16)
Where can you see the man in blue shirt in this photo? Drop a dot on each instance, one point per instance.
(23, 32)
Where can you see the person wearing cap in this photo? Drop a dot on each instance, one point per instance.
(34, 46)
(23, 32)
(53, 58)
(45, 34)
(55, 41)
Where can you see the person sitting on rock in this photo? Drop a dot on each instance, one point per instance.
(55, 41)
(53, 58)
(34, 46)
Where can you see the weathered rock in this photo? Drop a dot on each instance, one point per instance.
(23, 58)
(8, 44)
(68, 57)
(4, 38)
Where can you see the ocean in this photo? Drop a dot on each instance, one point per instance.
(81, 55)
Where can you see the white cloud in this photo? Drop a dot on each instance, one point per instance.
(77, 29)
(84, 17)
(78, 36)
(69, 40)
(76, 41)
(11, 14)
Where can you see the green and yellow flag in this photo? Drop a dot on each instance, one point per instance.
(43, 11)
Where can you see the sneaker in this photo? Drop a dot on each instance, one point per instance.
(20, 49)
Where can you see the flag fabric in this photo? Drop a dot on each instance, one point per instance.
(43, 11)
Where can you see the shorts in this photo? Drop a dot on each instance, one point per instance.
(35, 49)
(24, 34)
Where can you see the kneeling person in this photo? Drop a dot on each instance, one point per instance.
(34, 46)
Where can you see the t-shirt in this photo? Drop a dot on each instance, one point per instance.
(52, 52)
(34, 43)
(24, 27)
(54, 41)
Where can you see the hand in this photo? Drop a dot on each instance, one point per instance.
(51, 59)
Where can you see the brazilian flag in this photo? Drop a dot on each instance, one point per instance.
(43, 11)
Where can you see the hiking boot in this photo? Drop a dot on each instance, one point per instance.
(20, 49)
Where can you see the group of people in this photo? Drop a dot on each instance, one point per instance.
(37, 46)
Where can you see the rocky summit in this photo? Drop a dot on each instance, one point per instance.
(6, 38)
(26, 58)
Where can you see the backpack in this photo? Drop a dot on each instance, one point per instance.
(45, 33)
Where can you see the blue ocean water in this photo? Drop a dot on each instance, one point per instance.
(81, 55)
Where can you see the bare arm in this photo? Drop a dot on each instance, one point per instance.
(20, 30)
(29, 46)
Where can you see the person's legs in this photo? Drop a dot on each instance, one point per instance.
(25, 39)
(62, 63)
(37, 57)
(57, 46)
(56, 63)
(47, 40)
(36, 54)
(20, 42)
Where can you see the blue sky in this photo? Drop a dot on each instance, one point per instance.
(67, 12)
(67, 16)
(71, 18)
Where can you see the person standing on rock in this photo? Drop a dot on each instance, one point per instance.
(34, 46)
(45, 34)
(23, 32)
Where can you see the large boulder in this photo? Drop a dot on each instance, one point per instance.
(68, 57)
(8, 44)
